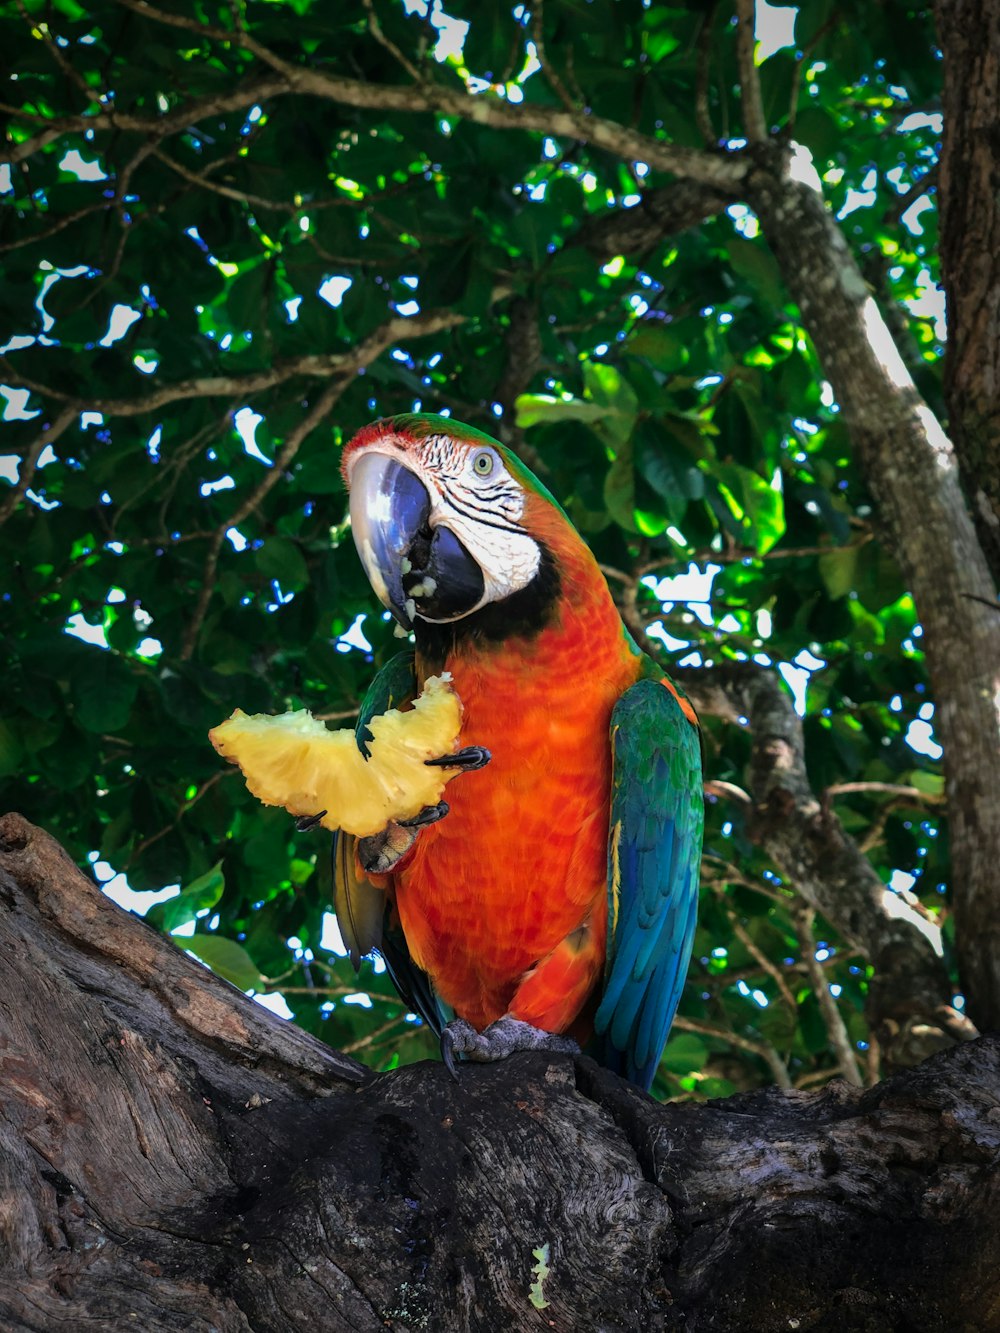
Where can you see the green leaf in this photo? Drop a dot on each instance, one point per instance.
(838, 568)
(103, 690)
(535, 408)
(755, 263)
(200, 895)
(281, 559)
(11, 751)
(607, 387)
(931, 784)
(619, 489)
(757, 505)
(226, 958)
(684, 1052)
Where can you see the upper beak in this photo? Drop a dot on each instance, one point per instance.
(389, 507)
(413, 563)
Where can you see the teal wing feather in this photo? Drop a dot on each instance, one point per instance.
(366, 919)
(394, 684)
(359, 904)
(654, 856)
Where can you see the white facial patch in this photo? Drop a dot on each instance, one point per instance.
(477, 498)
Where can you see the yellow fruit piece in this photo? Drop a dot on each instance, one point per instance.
(295, 761)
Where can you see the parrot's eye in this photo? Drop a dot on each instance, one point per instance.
(482, 464)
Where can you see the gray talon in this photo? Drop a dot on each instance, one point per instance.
(469, 759)
(305, 822)
(452, 1038)
(430, 814)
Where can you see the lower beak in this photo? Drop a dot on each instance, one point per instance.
(414, 566)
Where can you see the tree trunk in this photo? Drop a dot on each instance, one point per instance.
(970, 269)
(910, 466)
(970, 252)
(173, 1157)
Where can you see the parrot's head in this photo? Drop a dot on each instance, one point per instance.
(447, 521)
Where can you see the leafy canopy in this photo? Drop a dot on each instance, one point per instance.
(199, 253)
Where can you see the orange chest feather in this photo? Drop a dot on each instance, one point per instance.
(521, 860)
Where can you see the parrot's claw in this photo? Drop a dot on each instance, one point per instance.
(499, 1040)
(468, 760)
(305, 822)
(430, 814)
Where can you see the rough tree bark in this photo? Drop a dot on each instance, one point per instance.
(173, 1157)
(970, 252)
(970, 267)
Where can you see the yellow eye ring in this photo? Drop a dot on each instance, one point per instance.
(482, 464)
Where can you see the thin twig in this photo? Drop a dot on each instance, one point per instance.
(796, 80)
(873, 1061)
(762, 960)
(899, 205)
(763, 1049)
(28, 464)
(840, 1042)
(887, 789)
(753, 108)
(728, 791)
(182, 810)
(367, 1041)
(239, 386)
(702, 113)
(375, 28)
(551, 76)
(293, 441)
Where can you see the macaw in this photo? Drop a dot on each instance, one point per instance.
(551, 900)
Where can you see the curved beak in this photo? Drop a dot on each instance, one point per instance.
(414, 565)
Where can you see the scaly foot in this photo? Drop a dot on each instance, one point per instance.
(499, 1040)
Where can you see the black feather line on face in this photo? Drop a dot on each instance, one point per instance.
(523, 614)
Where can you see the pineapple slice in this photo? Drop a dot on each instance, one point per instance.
(293, 760)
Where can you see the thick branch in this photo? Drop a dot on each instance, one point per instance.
(721, 171)
(173, 1156)
(659, 214)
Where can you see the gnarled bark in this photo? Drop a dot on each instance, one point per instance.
(173, 1157)
(909, 1003)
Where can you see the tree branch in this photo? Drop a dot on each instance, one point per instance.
(293, 441)
(910, 996)
(240, 386)
(721, 171)
(702, 113)
(28, 464)
(840, 1042)
(762, 1049)
(753, 110)
(660, 213)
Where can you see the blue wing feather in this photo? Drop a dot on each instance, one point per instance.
(654, 853)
